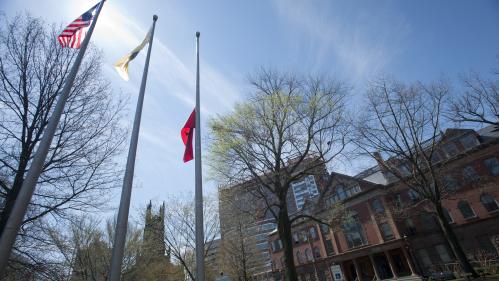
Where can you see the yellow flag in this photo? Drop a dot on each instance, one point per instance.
(122, 64)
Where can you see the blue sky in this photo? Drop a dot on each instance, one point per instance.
(351, 40)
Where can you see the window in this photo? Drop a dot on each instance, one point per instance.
(447, 215)
(355, 189)
(413, 195)
(353, 232)
(465, 209)
(443, 253)
(424, 257)
(404, 170)
(435, 157)
(276, 245)
(489, 202)
(386, 231)
(377, 206)
(303, 189)
(329, 247)
(470, 174)
(450, 149)
(331, 200)
(493, 165)
(468, 141)
(303, 236)
(340, 190)
(317, 253)
(450, 182)
(324, 228)
(411, 229)
(313, 233)
(397, 200)
(308, 254)
(299, 257)
(295, 238)
(428, 222)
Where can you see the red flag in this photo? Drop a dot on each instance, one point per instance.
(187, 134)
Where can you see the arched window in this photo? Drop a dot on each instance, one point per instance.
(340, 190)
(465, 209)
(489, 202)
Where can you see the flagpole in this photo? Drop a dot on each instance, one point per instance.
(126, 192)
(199, 187)
(28, 187)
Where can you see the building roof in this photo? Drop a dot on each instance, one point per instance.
(487, 134)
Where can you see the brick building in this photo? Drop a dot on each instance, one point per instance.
(391, 233)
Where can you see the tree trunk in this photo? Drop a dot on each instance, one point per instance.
(284, 228)
(451, 238)
(11, 196)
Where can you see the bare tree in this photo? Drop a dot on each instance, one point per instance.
(479, 102)
(238, 246)
(180, 235)
(81, 250)
(80, 167)
(403, 123)
(287, 128)
(235, 253)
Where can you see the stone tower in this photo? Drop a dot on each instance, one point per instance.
(154, 234)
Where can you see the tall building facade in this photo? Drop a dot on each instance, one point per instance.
(243, 211)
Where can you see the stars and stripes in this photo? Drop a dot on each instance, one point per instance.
(72, 36)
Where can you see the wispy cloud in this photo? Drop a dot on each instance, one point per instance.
(167, 69)
(362, 41)
(170, 95)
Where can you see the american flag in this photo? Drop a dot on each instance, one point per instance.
(75, 32)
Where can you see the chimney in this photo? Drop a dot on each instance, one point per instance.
(379, 160)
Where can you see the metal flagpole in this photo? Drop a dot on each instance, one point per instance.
(126, 192)
(199, 187)
(28, 187)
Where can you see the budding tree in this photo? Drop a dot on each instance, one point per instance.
(287, 129)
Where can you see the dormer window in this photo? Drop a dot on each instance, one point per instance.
(435, 157)
(469, 141)
(404, 170)
(450, 149)
(413, 195)
(340, 190)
